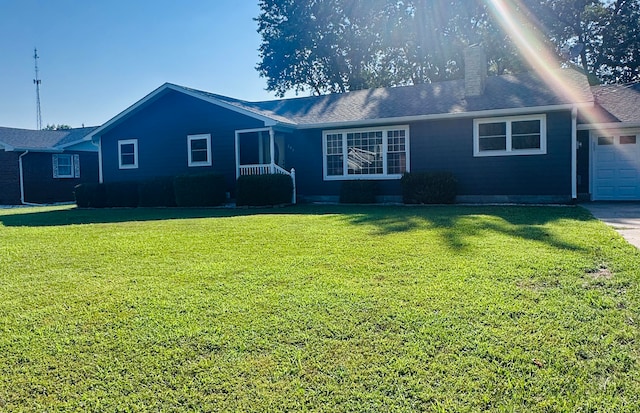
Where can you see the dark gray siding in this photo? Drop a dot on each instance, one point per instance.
(9, 178)
(162, 127)
(447, 145)
(306, 158)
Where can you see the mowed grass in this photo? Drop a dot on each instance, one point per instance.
(317, 308)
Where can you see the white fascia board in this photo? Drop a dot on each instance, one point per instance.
(611, 125)
(7, 147)
(442, 116)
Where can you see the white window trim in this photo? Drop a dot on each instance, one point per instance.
(345, 176)
(135, 153)
(189, 153)
(509, 151)
(74, 164)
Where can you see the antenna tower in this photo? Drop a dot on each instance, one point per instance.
(37, 82)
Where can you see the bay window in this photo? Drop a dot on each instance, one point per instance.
(371, 153)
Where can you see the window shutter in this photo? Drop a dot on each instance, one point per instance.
(76, 166)
(55, 165)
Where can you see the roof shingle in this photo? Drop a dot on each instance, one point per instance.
(27, 139)
(502, 92)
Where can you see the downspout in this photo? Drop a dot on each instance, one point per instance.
(22, 201)
(237, 149)
(100, 178)
(272, 150)
(574, 153)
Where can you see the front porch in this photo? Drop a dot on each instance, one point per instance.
(260, 152)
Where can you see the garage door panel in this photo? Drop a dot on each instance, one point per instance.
(627, 191)
(605, 174)
(628, 173)
(607, 156)
(617, 170)
(606, 191)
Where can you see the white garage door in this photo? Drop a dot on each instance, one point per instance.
(616, 167)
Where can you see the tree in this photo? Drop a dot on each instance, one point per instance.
(619, 58)
(326, 46)
(57, 127)
(338, 45)
(608, 33)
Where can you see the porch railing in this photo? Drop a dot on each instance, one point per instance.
(263, 169)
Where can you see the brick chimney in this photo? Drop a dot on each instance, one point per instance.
(475, 70)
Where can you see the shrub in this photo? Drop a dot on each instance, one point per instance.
(90, 195)
(199, 190)
(428, 188)
(262, 190)
(359, 192)
(122, 194)
(156, 192)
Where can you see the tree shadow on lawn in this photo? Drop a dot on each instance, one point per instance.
(458, 223)
(454, 222)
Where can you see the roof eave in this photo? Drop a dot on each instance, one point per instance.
(609, 125)
(86, 138)
(43, 150)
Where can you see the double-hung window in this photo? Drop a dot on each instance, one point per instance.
(128, 154)
(372, 153)
(199, 150)
(518, 135)
(66, 166)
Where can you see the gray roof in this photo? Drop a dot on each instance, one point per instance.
(510, 93)
(525, 90)
(621, 103)
(41, 140)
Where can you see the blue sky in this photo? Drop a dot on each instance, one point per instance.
(97, 57)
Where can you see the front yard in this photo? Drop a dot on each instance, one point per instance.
(317, 308)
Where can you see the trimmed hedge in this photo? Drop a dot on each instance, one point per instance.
(359, 192)
(122, 194)
(199, 190)
(263, 190)
(428, 188)
(184, 190)
(90, 195)
(157, 192)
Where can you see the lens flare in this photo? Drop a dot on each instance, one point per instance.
(527, 34)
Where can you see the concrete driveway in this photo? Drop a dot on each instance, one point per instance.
(624, 217)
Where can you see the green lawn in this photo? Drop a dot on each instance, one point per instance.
(317, 308)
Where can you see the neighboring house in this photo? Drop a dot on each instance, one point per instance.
(41, 166)
(510, 138)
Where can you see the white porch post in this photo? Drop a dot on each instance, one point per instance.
(237, 155)
(272, 149)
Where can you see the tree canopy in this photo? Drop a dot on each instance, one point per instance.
(325, 46)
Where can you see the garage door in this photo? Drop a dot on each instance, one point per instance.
(616, 168)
